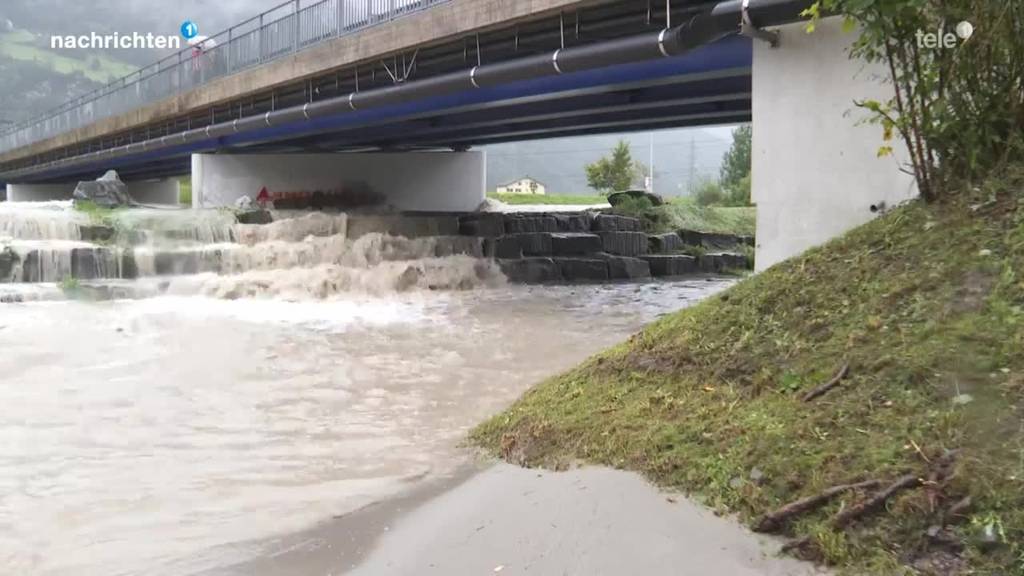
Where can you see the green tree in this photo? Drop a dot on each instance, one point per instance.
(614, 173)
(735, 171)
(959, 110)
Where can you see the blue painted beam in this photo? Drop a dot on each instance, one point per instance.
(724, 60)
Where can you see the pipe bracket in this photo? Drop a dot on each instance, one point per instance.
(661, 43)
(748, 29)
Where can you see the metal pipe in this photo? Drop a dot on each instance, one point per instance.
(724, 19)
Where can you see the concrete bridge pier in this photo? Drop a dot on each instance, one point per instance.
(412, 181)
(159, 191)
(816, 170)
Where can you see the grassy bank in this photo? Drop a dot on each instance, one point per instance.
(553, 199)
(925, 306)
(684, 213)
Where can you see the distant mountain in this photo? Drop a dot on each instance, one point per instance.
(37, 78)
(681, 157)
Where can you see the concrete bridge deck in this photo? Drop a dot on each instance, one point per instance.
(444, 36)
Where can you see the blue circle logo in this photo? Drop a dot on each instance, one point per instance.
(189, 29)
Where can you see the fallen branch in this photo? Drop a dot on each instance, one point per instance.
(773, 521)
(845, 517)
(797, 544)
(959, 509)
(942, 470)
(824, 388)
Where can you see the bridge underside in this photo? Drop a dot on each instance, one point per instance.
(709, 86)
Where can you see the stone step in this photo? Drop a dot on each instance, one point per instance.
(624, 243)
(530, 270)
(485, 224)
(459, 245)
(667, 243)
(582, 269)
(575, 243)
(615, 223)
(534, 243)
(715, 241)
(626, 268)
(524, 224)
(579, 222)
(671, 264)
(722, 261)
(55, 264)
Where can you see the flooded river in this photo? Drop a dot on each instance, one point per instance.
(172, 427)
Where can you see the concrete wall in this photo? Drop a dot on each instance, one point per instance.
(427, 181)
(816, 172)
(145, 192)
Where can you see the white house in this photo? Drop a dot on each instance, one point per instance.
(525, 185)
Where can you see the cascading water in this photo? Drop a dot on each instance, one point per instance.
(41, 221)
(207, 252)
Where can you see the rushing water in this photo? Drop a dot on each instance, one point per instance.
(170, 432)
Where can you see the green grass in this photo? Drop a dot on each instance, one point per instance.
(564, 199)
(925, 305)
(185, 191)
(684, 213)
(22, 45)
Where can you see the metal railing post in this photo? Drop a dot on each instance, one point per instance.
(259, 57)
(228, 67)
(298, 27)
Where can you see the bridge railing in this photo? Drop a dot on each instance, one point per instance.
(278, 32)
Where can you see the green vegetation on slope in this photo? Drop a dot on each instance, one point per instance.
(21, 45)
(554, 199)
(925, 305)
(685, 213)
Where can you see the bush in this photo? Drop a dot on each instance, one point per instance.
(959, 111)
(708, 193)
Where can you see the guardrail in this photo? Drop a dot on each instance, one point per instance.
(280, 31)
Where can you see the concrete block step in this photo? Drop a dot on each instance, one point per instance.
(575, 243)
(714, 241)
(582, 269)
(523, 224)
(626, 268)
(665, 243)
(722, 261)
(671, 264)
(624, 243)
(503, 248)
(615, 223)
(530, 270)
(486, 224)
(580, 222)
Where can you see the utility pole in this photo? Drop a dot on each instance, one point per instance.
(650, 165)
(693, 165)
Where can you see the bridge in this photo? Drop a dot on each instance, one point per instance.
(286, 96)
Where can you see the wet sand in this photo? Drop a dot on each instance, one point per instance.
(497, 518)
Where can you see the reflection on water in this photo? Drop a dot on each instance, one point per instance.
(145, 436)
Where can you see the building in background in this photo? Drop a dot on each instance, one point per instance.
(682, 158)
(525, 185)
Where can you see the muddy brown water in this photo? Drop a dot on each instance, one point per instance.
(170, 430)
